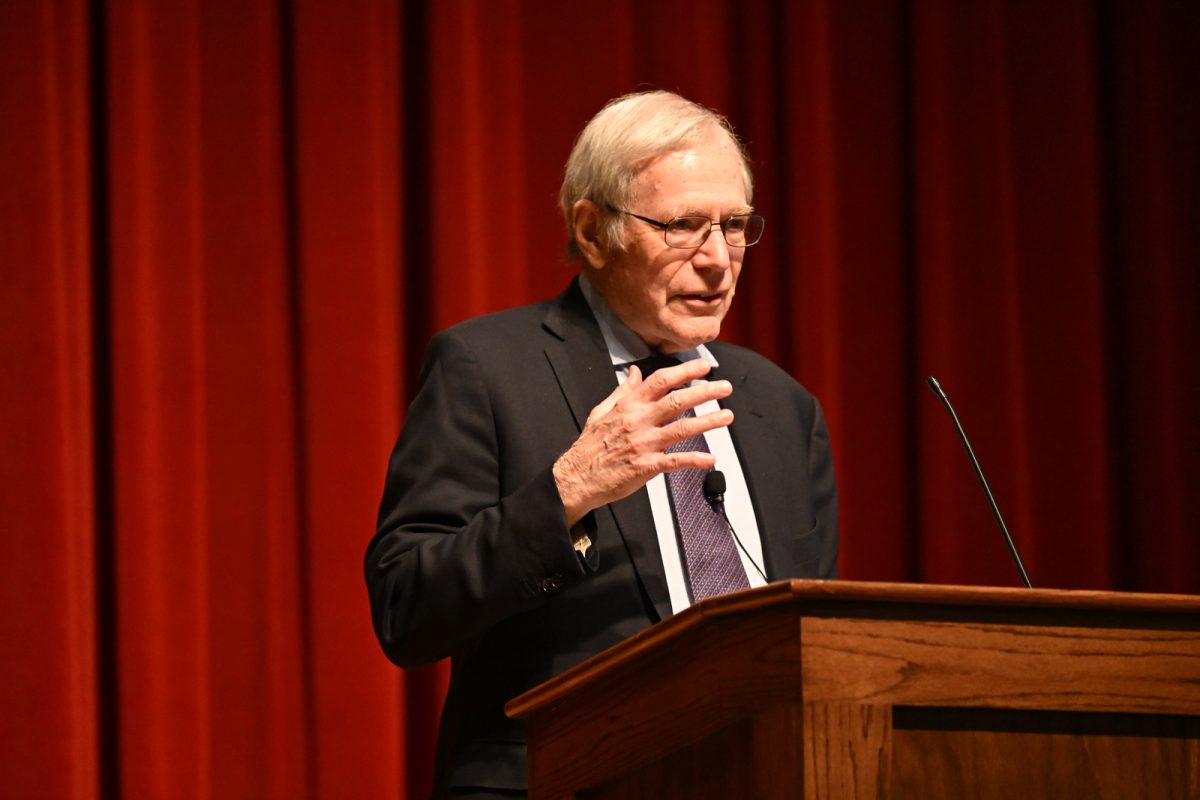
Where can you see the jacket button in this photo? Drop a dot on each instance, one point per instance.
(551, 583)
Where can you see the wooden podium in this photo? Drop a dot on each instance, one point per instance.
(851, 690)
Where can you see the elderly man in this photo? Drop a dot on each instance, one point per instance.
(546, 498)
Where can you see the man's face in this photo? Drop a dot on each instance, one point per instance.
(676, 299)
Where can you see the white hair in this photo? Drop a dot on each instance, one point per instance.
(623, 138)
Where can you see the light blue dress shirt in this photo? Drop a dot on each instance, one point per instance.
(624, 346)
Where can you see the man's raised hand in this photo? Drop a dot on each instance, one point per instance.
(623, 441)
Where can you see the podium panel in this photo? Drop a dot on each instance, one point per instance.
(841, 689)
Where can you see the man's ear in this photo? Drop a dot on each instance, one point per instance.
(587, 224)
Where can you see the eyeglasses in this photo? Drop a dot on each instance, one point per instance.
(686, 233)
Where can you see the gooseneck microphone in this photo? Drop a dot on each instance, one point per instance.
(714, 493)
(936, 388)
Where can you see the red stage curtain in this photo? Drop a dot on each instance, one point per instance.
(227, 231)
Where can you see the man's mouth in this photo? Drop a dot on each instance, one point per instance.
(702, 299)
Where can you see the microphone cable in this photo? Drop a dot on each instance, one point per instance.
(714, 493)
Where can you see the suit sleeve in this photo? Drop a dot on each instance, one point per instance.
(823, 487)
(451, 557)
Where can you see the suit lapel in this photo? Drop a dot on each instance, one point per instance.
(579, 357)
(754, 440)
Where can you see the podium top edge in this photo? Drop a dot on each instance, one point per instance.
(817, 595)
(992, 595)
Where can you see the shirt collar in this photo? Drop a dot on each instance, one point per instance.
(623, 344)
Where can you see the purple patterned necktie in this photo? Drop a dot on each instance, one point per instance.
(712, 563)
(710, 560)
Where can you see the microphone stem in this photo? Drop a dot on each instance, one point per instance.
(1012, 548)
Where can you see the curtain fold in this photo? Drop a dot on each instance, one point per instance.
(227, 232)
(50, 514)
(347, 231)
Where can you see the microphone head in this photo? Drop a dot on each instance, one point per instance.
(714, 486)
(934, 386)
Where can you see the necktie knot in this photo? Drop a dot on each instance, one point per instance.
(651, 364)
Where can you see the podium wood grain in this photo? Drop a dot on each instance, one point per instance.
(841, 689)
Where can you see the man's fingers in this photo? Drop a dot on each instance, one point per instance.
(657, 391)
(666, 379)
(692, 459)
(607, 404)
(675, 403)
(687, 427)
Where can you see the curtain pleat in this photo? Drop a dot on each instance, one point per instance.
(348, 229)
(49, 681)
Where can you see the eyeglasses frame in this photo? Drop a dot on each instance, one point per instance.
(665, 226)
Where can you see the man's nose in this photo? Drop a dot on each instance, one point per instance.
(714, 253)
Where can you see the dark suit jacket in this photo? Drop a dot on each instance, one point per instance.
(473, 559)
